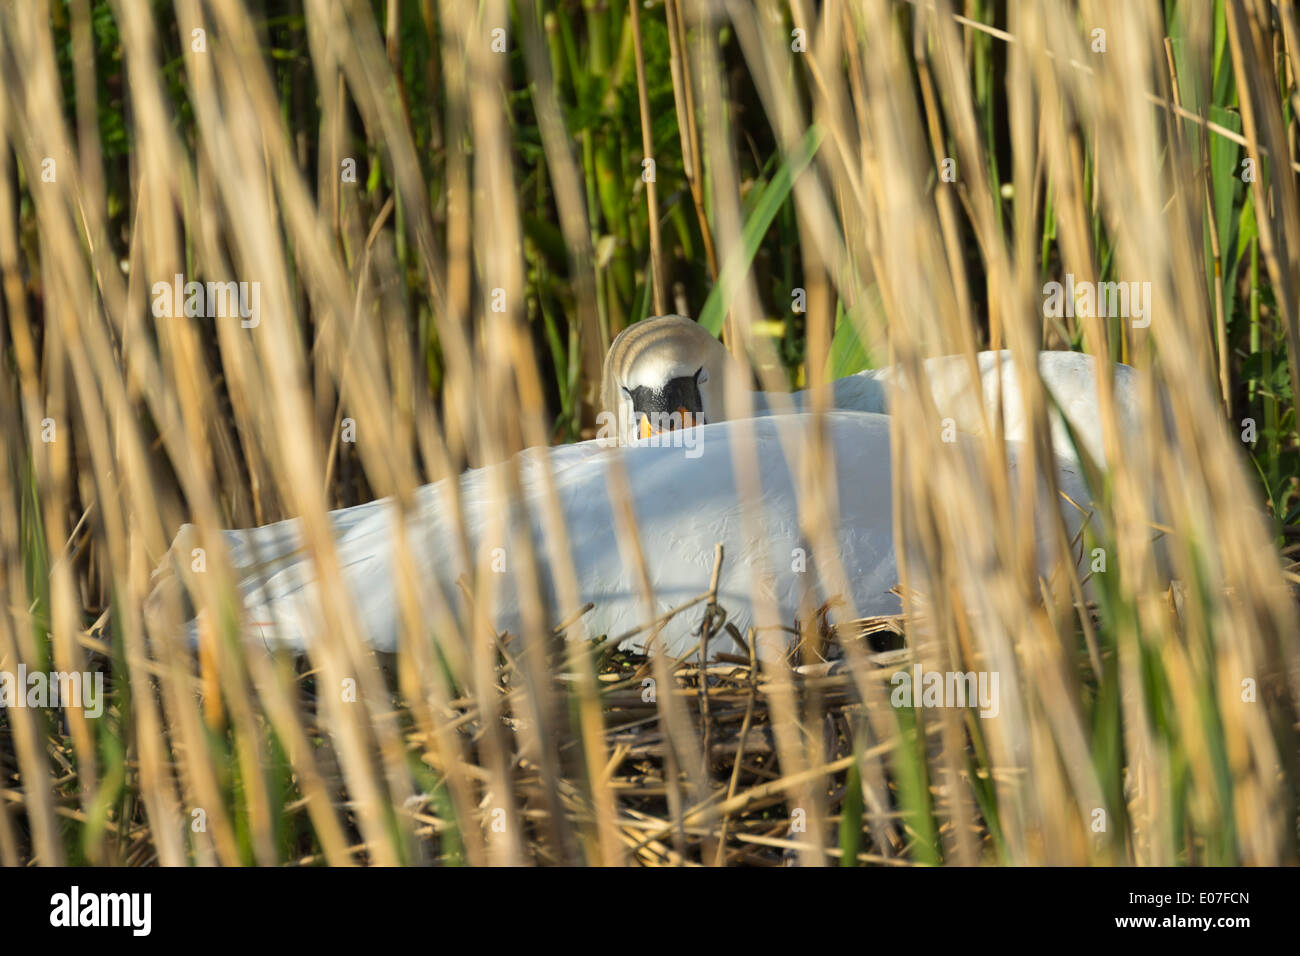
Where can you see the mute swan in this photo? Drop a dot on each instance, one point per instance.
(685, 503)
(668, 370)
(684, 507)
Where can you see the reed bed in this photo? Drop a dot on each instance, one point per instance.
(446, 210)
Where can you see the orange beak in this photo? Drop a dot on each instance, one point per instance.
(645, 429)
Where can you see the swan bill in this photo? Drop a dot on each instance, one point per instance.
(650, 425)
(677, 404)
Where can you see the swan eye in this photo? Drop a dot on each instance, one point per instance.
(626, 391)
(701, 375)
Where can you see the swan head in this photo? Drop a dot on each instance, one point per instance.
(661, 374)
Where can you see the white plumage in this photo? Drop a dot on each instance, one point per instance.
(684, 506)
(1069, 377)
(656, 350)
(685, 499)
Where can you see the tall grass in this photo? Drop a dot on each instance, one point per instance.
(913, 173)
